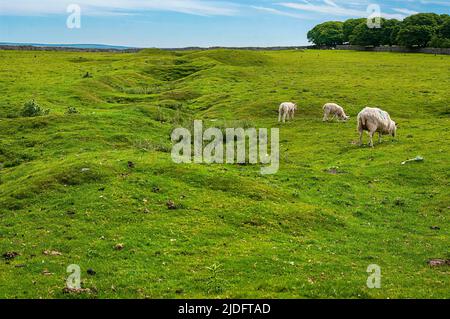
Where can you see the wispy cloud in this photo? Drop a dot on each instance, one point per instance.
(331, 3)
(405, 11)
(437, 2)
(302, 9)
(331, 8)
(282, 13)
(95, 7)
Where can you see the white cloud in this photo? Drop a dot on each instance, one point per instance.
(438, 3)
(405, 11)
(335, 10)
(43, 7)
(344, 8)
(282, 13)
(330, 3)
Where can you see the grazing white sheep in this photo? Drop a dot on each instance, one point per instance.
(336, 111)
(287, 109)
(375, 120)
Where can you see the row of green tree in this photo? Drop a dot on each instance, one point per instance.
(419, 30)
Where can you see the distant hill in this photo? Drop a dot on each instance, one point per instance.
(76, 46)
(105, 47)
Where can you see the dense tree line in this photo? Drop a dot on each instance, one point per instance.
(419, 30)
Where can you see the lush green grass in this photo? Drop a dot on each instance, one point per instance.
(302, 233)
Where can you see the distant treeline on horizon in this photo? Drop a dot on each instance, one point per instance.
(419, 30)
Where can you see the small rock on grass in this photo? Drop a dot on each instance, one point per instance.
(439, 262)
(119, 246)
(171, 205)
(332, 171)
(9, 255)
(52, 253)
(68, 290)
(46, 272)
(91, 272)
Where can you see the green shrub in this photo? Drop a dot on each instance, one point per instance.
(418, 30)
(327, 34)
(32, 109)
(437, 42)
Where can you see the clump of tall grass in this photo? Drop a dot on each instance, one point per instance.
(71, 110)
(33, 109)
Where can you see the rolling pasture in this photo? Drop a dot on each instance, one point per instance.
(96, 186)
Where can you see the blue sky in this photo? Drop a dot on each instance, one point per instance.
(180, 23)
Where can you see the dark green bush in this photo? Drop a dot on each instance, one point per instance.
(32, 109)
(418, 30)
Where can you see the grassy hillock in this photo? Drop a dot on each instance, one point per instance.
(81, 182)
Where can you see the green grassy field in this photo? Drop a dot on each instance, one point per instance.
(309, 231)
